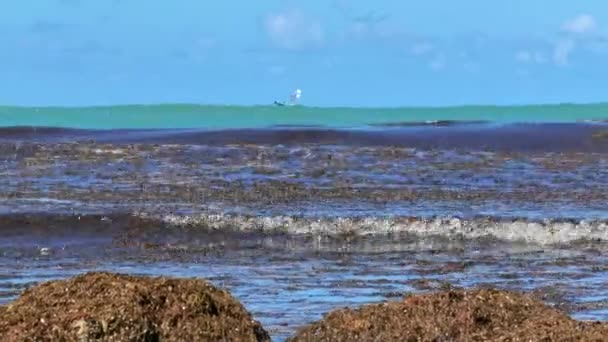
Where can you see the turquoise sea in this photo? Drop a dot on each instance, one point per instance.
(220, 117)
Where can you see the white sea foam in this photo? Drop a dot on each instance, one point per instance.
(540, 232)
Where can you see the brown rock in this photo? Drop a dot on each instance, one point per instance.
(112, 307)
(480, 315)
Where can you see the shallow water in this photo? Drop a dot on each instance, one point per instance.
(309, 180)
(296, 223)
(287, 281)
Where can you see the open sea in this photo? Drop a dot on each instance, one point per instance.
(302, 210)
(229, 117)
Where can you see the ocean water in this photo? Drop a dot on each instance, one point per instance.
(221, 117)
(300, 210)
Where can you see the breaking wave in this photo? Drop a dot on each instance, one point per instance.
(546, 232)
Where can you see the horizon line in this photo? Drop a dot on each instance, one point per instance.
(152, 104)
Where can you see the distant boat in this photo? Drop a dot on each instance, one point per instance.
(293, 99)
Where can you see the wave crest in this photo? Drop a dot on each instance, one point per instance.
(540, 232)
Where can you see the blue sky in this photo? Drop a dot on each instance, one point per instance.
(339, 52)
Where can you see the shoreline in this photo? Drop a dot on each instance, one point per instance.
(288, 279)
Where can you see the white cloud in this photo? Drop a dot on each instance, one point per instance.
(562, 51)
(292, 30)
(576, 31)
(581, 24)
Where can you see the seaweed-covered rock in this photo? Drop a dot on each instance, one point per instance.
(480, 315)
(113, 307)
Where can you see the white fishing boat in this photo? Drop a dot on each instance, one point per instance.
(293, 99)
